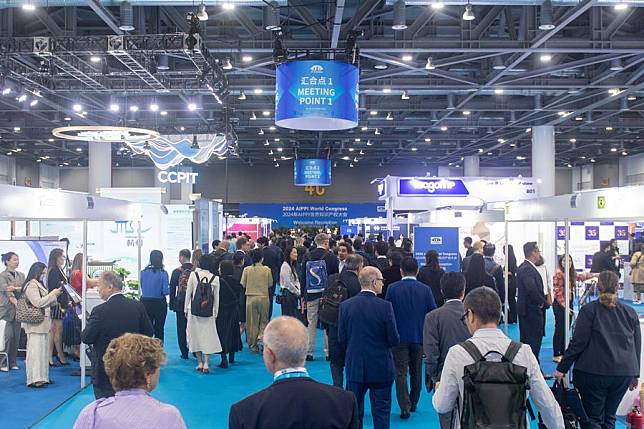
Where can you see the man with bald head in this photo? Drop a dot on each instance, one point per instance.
(294, 400)
(367, 329)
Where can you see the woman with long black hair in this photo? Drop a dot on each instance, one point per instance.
(476, 276)
(155, 286)
(289, 282)
(431, 274)
(56, 278)
(228, 315)
(37, 333)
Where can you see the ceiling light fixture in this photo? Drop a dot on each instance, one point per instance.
(377, 132)
(468, 14)
(429, 65)
(33, 102)
(258, 90)
(260, 132)
(498, 91)
(247, 58)
(621, 6)
(228, 65)
(77, 107)
(369, 143)
(202, 14)
(134, 108)
(228, 6)
(266, 113)
(466, 113)
(407, 58)
(444, 128)
(400, 17)
(390, 116)
(242, 95)
(364, 128)
(545, 58)
(386, 90)
(427, 140)
(114, 107)
(253, 116)
(373, 112)
(192, 107)
(154, 107)
(95, 59)
(29, 7)
(126, 16)
(404, 96)
(497, 63)
(438, 4)
(414, 149)
(545, 17)
(163, 113)
(616, 64)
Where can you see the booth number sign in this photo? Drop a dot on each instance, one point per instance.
(315, 190)
(601, 202)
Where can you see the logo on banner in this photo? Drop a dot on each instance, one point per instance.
(416, 186)
(621, 232)
(317, 69)
(177, 177)
(592, 233)
(436, 240)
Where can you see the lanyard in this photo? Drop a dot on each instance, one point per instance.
(290, 374)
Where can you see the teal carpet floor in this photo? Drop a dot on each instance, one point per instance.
(204, 400)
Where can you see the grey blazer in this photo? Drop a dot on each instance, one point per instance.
(7, 309)
(443, 328)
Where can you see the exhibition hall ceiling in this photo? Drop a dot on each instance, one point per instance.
(438, 80)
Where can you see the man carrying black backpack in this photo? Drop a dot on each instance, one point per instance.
(492, 374)
(178, 286)
(341, 287)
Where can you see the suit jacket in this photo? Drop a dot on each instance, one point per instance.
(296, 403)
(115, 317)
(7, 309)
(443, 328)
(411, 301)
(432, 278)
(382, 264)
(391, 275)
(367, 329)
(530, 297)
(272, 261)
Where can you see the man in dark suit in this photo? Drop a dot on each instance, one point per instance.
(294, 400)
(367, 329)
(178, 298)
(530, 299)
(273, 261)
(444, 328)
(243, 247)
(411, 301)
(381, 248)
(116, 316)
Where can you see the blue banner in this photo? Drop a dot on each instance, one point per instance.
(348, 230)
(429, 187)
(310, 214)
(442, 240)
(316, 95)
(312, 172)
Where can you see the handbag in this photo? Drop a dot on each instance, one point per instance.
(26, 312)
(571, 406)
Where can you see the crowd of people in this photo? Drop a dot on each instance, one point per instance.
(383, 319)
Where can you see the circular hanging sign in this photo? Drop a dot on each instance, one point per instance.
(317, 95)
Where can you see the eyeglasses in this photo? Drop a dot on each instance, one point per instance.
(464, 316)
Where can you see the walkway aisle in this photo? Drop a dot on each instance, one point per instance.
(204, 400)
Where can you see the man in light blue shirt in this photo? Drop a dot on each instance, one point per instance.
(482, 313)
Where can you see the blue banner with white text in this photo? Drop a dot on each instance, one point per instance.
(311, 214)
(442, 240)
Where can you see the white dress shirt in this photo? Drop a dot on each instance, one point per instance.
(451, 386)
(288, 279)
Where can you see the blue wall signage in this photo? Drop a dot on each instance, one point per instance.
(310, 214)
(430, 187)
(312, 172)
(348, 230)
(592, 233)
(442, 240)
(316, 95)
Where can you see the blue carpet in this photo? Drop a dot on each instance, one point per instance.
(204, 400)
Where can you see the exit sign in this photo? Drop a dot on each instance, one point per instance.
(601, 202)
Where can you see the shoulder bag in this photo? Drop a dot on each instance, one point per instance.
(26, 312)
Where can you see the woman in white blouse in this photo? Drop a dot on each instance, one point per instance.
(289, 282)
(203, 339)
(38, 333)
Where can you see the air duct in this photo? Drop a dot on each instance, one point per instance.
(272, 17)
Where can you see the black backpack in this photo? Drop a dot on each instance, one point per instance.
(330, 301)
(494, 393)
(182, 286)
(203, 299)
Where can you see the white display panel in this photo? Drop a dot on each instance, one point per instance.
(30, 251)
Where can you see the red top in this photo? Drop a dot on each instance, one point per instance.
(559, 285)
(76, 281)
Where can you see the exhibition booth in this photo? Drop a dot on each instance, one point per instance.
(252, 226)
(597, 215)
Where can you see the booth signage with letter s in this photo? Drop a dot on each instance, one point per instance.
(442, 240)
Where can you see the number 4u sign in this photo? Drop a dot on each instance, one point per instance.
(315, 190)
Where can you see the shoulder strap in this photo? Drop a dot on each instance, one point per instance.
(472, 350)
(211, 279)
(197, 276)
(512, 351)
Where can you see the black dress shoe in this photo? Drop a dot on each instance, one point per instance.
(309, 358)
(185, 357)
(405, 414)
(413, 408)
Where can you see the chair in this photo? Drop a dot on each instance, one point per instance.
(3, 352)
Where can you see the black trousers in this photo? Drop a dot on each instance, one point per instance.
(337, 355)
(559, 336)
(531, 335)
(182, 325)
(271, 300)
(380, 397)
(601, 395)
(157, 309)
(512, 300)
(408, 358)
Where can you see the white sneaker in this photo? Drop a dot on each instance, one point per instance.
(4, 369)
(15, 367)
